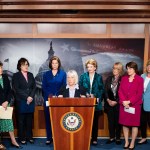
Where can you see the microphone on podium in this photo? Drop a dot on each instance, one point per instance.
(52, 96)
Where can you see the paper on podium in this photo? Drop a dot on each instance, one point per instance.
(6, 114)
(130, 110)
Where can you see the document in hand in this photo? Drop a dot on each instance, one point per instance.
(130, 110)
(6, 113)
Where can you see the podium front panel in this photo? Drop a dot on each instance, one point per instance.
(71, 121)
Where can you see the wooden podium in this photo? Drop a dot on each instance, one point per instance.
(71, 121)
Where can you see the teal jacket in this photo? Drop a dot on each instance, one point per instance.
(97, 87)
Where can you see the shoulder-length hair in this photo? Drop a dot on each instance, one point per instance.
(22, 61)
(1, 64)
(54, 58)
(147, 64)
(119, 67)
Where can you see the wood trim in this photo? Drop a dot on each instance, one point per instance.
(42, 132)
(76, 7)
(74, 20)
(34, 29)
(94, 36)
(128, 36)
(108, 30)
(39, 2)
(146, 48)
(48, 11)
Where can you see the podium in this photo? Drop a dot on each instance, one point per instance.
(71, 121)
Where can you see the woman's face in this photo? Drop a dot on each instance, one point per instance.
(71, 80)
(24, 67)
(148, 69)
(115, 71)
(91, 68)
(55, 65)
(130, 71)
(1, 70)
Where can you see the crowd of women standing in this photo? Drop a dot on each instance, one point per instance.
(126, 99)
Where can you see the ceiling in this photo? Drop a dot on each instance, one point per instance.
(112, 11)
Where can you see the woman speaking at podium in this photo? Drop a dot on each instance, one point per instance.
(51, 84)
(93, 84)
(72, 89)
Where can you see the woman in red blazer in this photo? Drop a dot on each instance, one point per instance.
(130, 96)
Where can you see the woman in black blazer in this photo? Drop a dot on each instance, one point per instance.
(112, 103)
(6, 125)
(24, 90)
(72, 89)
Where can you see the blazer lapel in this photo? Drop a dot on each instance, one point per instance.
(88, 80)
(67, 93)
(1, 87)
(148, 86)
(76, 94)
(23, 78)
(94, 81)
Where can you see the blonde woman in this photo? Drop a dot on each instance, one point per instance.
(112, 103)
(93, 83)
(72, 89)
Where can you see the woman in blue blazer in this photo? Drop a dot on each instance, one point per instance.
(24, 87)
(145, 114)
(93, 84)
(51, 84)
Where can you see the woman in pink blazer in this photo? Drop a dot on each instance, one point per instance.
(130, 97)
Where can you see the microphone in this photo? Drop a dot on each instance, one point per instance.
(56, 93)
(52, 96)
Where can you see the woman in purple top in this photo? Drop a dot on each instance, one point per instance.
(51, 84)
(130, 96)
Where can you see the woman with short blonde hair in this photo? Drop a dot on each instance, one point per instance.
(74, 74)
(92, 62)
(72, 89)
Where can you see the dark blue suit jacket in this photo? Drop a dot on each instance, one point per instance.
(22, 90)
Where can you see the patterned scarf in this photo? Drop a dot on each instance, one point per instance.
(114, 84)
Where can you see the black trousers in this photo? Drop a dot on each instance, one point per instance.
(145, 119)
(95, 126)
(0, 138)
(25, 121)
(113, 123)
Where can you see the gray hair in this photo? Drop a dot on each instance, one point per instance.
(74, 74)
